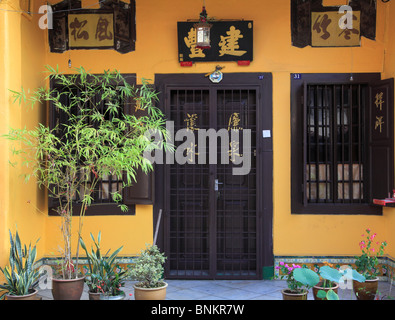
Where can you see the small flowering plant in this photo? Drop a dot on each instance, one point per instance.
(287, 272)
(371, 249)
(104, 275)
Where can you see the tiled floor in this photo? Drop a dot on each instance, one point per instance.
(229, 290)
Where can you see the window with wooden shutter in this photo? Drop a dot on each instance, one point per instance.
(381, 139)
(139, 193)
(338, 155)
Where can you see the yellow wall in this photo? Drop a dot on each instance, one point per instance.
(24, 57)
(156, 52)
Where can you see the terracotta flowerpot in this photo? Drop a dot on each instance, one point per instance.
(366, 290)
(319, 287)
(150, 293)
(289, 295)
(67, 289)
(30, 296)
(94, 295)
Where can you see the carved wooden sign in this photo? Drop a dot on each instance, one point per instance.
(91, 30)
(112, 26)
(309, 19)
(230, 41)
(327, 32)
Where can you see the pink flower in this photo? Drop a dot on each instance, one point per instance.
(372, 249)
(281, 263)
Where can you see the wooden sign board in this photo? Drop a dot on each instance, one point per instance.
(91, 30)
(326, 32)
(230, 41)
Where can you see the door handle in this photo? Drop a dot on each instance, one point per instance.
(216, 184)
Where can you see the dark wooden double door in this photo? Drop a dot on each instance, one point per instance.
(212, 223)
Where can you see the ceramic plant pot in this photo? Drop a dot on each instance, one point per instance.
(94, 295)
(118, 297)
(30, 296)
(289, 295)
(150, 293)
(319, 287)
(365, 290)
(67, 289)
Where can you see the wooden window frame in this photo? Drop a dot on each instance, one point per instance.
(298, 205)
(131, 197)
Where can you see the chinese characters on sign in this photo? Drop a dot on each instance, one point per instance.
(379, 108)
(230, 41)
(91, 30)
(326, 32)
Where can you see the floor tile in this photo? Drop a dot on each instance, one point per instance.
(228, 290)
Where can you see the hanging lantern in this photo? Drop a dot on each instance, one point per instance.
(203, 31)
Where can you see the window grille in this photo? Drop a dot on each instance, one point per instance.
(335, 148)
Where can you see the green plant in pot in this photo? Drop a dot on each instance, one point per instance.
(105, 277)
(98, 139)
(328, 288)
(299, 280)
(367, 265)
(21, 275)
(148, 272)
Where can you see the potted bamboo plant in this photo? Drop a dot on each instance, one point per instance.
(98, 140)
(105, 277)
(148, 271)
(21, 276)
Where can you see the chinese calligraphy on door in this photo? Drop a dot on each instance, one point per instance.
(91, 30)
(326, 32)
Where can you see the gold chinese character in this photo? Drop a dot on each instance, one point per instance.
(77, 32)
(233, 152)
(190, 42)
(191, 153)
(234, 121)
(230, 43)
(379, 123)
(191, 121)
(101, 30)
(379, 100)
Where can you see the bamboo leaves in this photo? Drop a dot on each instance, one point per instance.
(93, 138)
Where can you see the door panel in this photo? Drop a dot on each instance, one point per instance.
(236, 197)
(212, 230)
